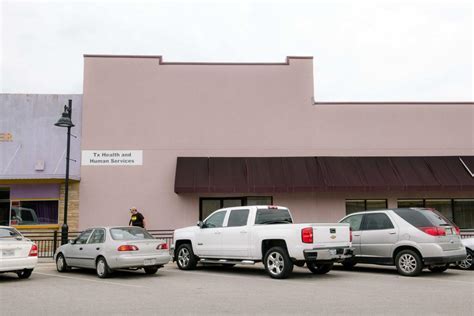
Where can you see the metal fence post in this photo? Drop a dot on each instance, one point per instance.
(55, 241)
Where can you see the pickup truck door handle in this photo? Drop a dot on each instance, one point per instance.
(217, 233)
(392, 233)
(243, 232)
(357, 235)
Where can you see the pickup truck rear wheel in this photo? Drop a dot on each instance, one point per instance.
(278, 263)
(321, 268)
(186, 260)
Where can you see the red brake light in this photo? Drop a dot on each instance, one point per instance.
(307, 235)
(127, 248)
(458, 230)
(433, 231)
(33, 251)
(162, 246)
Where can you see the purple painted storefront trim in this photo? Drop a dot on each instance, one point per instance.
(34, 191)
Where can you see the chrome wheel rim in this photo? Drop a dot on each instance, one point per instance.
(100, 267)
(275, 263)
(407, 263)
(466, 263)
(183, 257)
(60, 263)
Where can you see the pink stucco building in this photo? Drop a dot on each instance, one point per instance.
(184, 121)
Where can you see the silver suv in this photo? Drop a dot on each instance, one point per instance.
(409, 238)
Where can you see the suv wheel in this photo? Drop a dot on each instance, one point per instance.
(185, 259)
(277, 263)
(319, 268)
(408, 263)
(467, 263)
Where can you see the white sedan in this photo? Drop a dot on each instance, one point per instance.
(17, 253)
(108, 248)
(467, 264)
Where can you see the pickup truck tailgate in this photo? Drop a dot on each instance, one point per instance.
(325, 235)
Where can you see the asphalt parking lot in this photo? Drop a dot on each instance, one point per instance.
(240, 290)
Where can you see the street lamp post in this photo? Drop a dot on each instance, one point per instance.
(65, 121)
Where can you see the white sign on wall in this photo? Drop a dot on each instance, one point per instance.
(112, 158)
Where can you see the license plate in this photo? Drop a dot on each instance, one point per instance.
(150, 262)
(8, 252)
(332, 251)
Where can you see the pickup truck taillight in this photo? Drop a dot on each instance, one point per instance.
(307, 235)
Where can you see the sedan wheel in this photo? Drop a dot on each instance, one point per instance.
(466, 264)
(61, 264)
(408, 263)
(102, 269)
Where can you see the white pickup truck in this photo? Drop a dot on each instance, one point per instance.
(250, 234)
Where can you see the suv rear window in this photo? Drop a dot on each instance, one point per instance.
(273, 216)
(422, 218)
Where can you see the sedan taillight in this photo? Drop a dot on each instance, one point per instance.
(33, 251)
(162, 246)
(127, 248)
(433, 231)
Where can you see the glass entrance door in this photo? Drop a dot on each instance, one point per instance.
(4, 206)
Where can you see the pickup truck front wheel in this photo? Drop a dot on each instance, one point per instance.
(319, 268)
(185, 258)
(278, 263)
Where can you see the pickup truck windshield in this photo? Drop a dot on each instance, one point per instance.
(273, 216)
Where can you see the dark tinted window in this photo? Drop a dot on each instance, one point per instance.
(377, 221)
(238, 218)
(273, 216)
(354, 221)
(421, 218)
(216, 220)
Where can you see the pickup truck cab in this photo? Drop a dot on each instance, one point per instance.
(251, 234)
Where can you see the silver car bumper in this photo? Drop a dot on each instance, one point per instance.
(131, 261)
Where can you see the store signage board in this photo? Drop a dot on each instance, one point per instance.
(6, 137)
(112, 158)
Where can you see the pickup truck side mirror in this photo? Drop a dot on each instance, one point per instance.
(200, 224)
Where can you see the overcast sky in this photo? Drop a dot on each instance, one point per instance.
(416, 50)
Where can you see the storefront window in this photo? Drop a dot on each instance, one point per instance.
(464, 213)
(445, 207)
(353, 206)
(410, 203)
(34, 212)
(4, 206)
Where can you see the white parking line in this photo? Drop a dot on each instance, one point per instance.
(87, 280)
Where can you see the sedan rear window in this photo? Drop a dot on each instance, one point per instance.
(422, 218)
(129, 233)
(273, 216)
(9, 233)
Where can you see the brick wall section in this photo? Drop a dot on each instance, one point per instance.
(73, 206)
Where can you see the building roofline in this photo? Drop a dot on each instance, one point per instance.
(161, 62)
(393, 102)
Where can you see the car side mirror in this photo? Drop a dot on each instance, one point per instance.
(72, 241)
(200, 224)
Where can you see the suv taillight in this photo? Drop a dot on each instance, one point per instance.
(33, 251)
(307, 235)
(162, 246)
(458, 230)
(433, 231)
(127, 248)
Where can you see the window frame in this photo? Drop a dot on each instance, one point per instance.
(17, 203)
(365, 204)
(104, 240)
(363, 225)
(243, 199)
(226, 224)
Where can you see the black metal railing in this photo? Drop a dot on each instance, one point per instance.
(49, 241)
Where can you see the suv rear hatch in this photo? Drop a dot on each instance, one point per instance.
(433, 223)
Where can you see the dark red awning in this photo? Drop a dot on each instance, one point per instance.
(311, 174)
